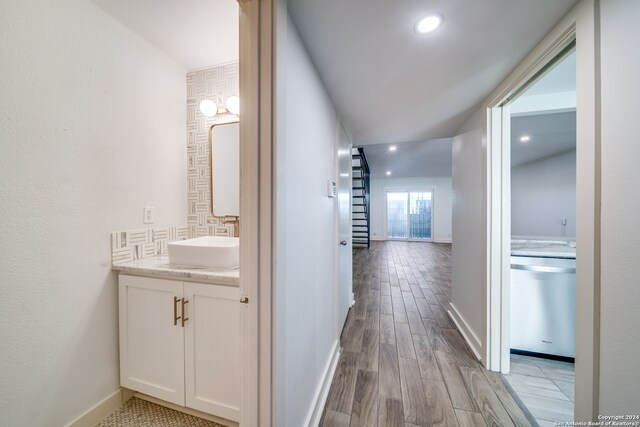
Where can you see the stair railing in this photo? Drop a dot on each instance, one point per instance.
(365, 183)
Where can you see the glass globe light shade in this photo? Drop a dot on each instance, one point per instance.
(208, 108)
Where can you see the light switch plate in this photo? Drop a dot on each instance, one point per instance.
(148, 215)
(332, 190)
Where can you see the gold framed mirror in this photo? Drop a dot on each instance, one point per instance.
(224, 172)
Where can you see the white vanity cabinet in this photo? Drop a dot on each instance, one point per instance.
(180, 342)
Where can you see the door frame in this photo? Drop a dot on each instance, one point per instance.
(340, 131)
(257, 87)
(407, 190)
(582, 25)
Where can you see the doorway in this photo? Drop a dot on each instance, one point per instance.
(345, 237)
(540, 124)
(409, 215)
(579, 27)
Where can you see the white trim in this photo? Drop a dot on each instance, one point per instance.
(505, 243)
(102, 409)
(498, 209)
(256, 243)
(472, 339)
(588, 202)
(322, 392)
(442, 241)
(582, 23)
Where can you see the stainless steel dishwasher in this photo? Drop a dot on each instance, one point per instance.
(543, 305)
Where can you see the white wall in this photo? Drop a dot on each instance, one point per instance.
(306, 309)
(620, 233)
(92, 128)
(467, 208)
(542, 192)
(441, 203)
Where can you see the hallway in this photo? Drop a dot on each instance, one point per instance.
(403, 362)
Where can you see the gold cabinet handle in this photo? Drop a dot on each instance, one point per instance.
(184, 315)
(175, 310)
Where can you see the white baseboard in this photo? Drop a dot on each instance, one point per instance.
(466, 331)
(379, 239)
(322, 392)
(102, 409)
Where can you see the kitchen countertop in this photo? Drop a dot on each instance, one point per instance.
(543, 248)
(158, 266)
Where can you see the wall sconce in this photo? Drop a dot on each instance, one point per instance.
(210, 108)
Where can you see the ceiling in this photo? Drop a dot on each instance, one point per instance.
(551, 134)
(390, 84)
(411, 159)
(393, 85)
(196, 33)
(553, 131)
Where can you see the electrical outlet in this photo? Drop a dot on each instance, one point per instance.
(148, 215)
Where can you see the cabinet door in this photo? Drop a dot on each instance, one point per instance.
(212, 349)
(151, 345)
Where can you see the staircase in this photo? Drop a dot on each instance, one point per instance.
(360, 205)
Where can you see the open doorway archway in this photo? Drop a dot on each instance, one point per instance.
(579, 25)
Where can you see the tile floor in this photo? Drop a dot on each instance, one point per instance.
(404, 363)
(546, 387)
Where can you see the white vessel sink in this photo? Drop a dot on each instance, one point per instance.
(205, 252)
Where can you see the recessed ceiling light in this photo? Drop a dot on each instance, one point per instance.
(393, 148)
(344, 174)
(428, 24)
(388, 172)
(525, 138)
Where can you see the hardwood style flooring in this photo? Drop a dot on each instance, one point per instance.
(546, 387)
(404, 363)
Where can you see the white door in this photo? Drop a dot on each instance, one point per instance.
(212, 349)
(344, 225)
(152, 337)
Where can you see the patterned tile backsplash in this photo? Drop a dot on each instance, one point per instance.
(216, 84)
(129, 245)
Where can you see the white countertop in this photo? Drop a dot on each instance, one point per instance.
(543, 248)
(159, 267)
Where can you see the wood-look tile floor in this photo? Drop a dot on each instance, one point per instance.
(546, 387)
(403, 362)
